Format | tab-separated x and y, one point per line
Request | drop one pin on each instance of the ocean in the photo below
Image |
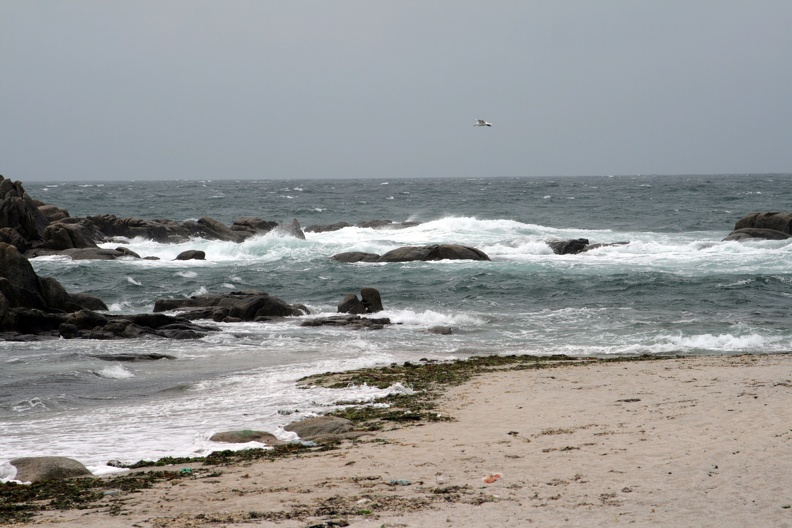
675	288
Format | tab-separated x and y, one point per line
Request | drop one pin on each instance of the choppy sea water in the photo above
674	288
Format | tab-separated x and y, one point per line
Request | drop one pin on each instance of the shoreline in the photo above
647	441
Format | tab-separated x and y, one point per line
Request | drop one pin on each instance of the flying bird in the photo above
481	122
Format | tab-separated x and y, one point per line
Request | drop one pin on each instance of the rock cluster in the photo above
231	307
762	226
38	229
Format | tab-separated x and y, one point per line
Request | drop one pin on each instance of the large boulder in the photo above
208	227
20	213
290	230
568	247
433	252
70	233
247	226
39	469
320	426
191	254
766	220
752	233
355	256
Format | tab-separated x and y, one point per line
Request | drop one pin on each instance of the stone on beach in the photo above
38	469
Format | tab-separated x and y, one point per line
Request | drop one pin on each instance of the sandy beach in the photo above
676	442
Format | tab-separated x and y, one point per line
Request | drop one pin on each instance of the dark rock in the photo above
68	331
370	297
88	302
38	469
325	228
127	252
351	304
351	322
433	252
241	437
157	230
752	233
52	213
61	235
253	226
290	230
12	236
777	221
242	305
86	319
208	227
568	247
191	254
355	256
152	356
20	213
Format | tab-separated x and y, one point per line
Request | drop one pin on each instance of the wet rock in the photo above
248	227
18	212
191	254
290	230
753	233
355	256
442	330
243	305
351	304
568	247
352	322
433	252
314	228
208	227
370	297
38	469
777	221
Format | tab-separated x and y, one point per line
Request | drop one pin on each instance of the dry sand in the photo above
678	442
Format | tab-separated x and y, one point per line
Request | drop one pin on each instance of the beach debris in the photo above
400	482
491	477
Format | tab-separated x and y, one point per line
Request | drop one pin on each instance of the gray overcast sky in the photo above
158	89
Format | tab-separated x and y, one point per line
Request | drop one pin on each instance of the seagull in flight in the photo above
481	122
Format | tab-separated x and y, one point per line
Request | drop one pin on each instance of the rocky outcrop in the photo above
351	322
356	256
762	226
231	307
369	302
20	218
290	230
577	245
39	469
248	227
411	253
766	220
191	254
752	233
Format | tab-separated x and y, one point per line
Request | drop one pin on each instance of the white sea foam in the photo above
114	372
131	280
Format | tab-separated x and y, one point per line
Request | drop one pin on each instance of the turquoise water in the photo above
674	288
